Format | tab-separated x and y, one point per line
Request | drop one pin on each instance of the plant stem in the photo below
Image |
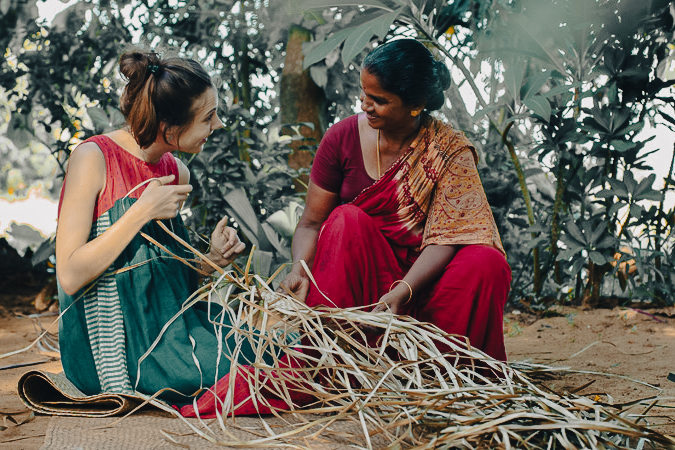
528	204
555	220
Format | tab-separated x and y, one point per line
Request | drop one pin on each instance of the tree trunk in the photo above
591	297
301	101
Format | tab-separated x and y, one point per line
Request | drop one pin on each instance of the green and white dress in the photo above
109	331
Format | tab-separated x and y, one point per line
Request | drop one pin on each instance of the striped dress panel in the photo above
105	325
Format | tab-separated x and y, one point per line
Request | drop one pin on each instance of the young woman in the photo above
117	289
396	213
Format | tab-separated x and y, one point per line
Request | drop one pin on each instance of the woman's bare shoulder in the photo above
87	151
87	161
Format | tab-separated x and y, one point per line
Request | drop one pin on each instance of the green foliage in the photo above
248	190
565	87
599	88
563	90
60	85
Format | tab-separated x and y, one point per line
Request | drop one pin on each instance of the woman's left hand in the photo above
393	300
225	244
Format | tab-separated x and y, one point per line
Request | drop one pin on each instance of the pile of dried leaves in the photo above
403	390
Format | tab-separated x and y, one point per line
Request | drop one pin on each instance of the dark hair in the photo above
160	90
405	67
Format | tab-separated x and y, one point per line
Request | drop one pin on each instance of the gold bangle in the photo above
409	287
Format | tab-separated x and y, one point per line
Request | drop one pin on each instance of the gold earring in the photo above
415	113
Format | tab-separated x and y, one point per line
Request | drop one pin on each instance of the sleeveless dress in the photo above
109	331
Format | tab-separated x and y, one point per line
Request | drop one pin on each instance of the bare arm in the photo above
183	172
79	262
318	206
426	270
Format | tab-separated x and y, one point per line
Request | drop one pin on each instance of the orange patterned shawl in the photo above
432	195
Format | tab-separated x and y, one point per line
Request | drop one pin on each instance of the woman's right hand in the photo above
297	284
318	206
161	200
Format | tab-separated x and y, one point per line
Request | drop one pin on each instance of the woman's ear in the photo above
167	133
417	110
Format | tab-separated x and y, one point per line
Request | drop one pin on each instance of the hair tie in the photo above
153	68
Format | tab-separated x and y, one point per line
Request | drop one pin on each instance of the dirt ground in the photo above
616	356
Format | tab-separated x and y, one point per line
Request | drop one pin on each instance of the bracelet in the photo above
409	287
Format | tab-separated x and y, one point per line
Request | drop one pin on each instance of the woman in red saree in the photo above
396	214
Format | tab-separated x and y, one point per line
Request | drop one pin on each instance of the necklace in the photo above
377	149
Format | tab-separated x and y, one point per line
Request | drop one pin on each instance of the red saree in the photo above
431	196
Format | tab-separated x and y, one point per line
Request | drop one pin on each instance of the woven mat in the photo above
150	430
53	394
87	422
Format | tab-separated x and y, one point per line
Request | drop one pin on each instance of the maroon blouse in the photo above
338	165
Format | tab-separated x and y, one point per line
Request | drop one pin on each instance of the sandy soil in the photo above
619	355
20	428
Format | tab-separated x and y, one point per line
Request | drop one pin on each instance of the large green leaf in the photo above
571	242
605	193
262	262
298	6
622	146
597	258
248	232
382	24
599	231
513	78
600	121
568	253
629	181
652	195
586	228
645	185
533	243
644	190
360	36
606	242
619	187
534	84
576	233
540	106
241	206
356	41
579	264
560	89
616	206
319	52
636	210
619	119
273	238
285	220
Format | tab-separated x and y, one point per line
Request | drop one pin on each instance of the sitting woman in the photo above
396	214
118	291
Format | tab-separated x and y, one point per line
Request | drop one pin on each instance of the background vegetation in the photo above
554	93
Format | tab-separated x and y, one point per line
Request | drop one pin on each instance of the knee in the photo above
345	216
484	263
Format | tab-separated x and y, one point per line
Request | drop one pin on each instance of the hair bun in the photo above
136	66
443	74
